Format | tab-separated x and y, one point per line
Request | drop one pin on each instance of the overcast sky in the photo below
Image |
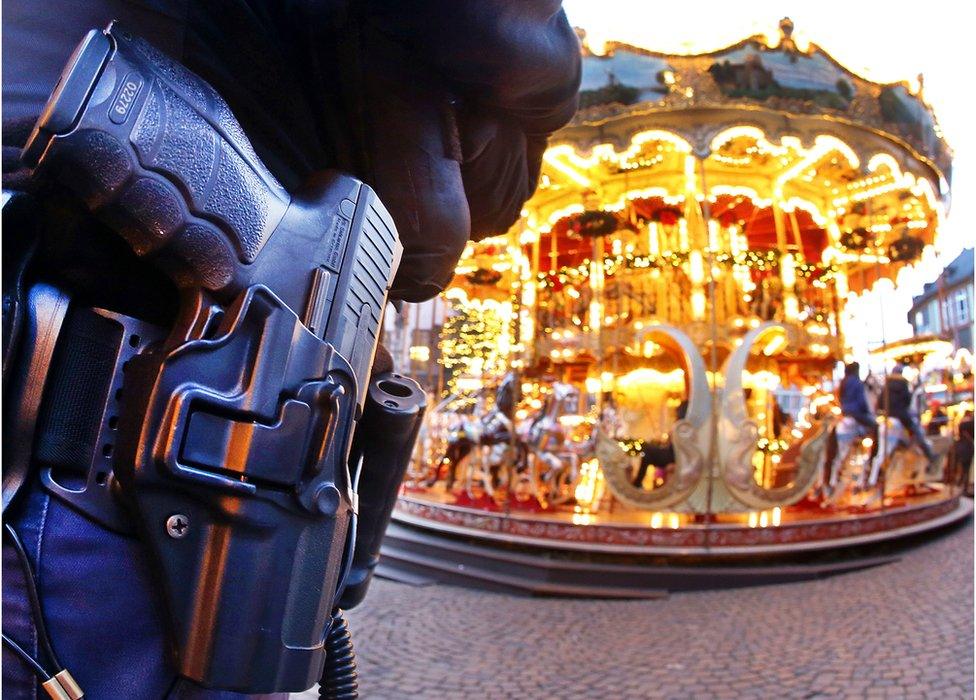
882	41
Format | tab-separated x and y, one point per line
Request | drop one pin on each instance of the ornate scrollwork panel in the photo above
738	435
690	437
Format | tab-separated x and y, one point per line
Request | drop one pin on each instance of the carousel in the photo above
648	362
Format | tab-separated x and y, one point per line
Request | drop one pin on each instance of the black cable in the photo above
35	602
339	676
27	659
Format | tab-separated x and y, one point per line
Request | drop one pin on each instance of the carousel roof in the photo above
785	144
780	89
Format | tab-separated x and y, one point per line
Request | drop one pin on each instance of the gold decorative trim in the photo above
690	437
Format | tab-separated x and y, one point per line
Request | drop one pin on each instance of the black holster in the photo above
226	434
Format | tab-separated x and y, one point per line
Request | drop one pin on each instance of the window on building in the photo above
961	307
919	320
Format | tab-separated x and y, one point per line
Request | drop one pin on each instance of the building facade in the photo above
945	307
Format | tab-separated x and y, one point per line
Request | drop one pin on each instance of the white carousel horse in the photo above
847	432
554	459
898	458
442	425
494	436
854	452
483	443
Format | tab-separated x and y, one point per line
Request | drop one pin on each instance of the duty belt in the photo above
66	400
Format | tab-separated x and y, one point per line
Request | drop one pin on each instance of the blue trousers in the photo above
103	614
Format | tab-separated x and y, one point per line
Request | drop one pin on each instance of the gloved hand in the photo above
505	74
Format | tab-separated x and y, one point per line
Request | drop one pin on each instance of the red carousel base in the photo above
552	554
562	531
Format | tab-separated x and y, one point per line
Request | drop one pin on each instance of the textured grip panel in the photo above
187	132
175	141
159	155
205	98
147	210
183	146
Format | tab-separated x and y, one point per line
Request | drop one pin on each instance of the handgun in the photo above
234	431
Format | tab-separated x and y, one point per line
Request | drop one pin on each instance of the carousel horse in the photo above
458	439
906	466
896	457
659	454
851	454
554	458
492	433
656	455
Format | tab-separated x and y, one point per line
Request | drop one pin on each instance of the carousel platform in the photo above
539	555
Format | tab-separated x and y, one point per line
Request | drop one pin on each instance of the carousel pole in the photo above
517	351
600	314
553	252
840	299
787	269
702	186
553	266
797	237
526	329
779	221
885	398
438	300
597	308
534	280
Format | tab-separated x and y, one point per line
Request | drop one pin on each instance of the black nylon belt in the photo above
26	368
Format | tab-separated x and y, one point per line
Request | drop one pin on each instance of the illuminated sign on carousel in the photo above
654	344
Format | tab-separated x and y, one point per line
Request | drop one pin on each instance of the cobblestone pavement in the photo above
901	630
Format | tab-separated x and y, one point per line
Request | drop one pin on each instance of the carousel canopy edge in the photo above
746	78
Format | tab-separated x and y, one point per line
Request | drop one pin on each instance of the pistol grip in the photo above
157	153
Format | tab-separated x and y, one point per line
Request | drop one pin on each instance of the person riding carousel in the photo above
854	403
896	402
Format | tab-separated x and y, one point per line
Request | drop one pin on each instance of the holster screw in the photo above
327	499
177	526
